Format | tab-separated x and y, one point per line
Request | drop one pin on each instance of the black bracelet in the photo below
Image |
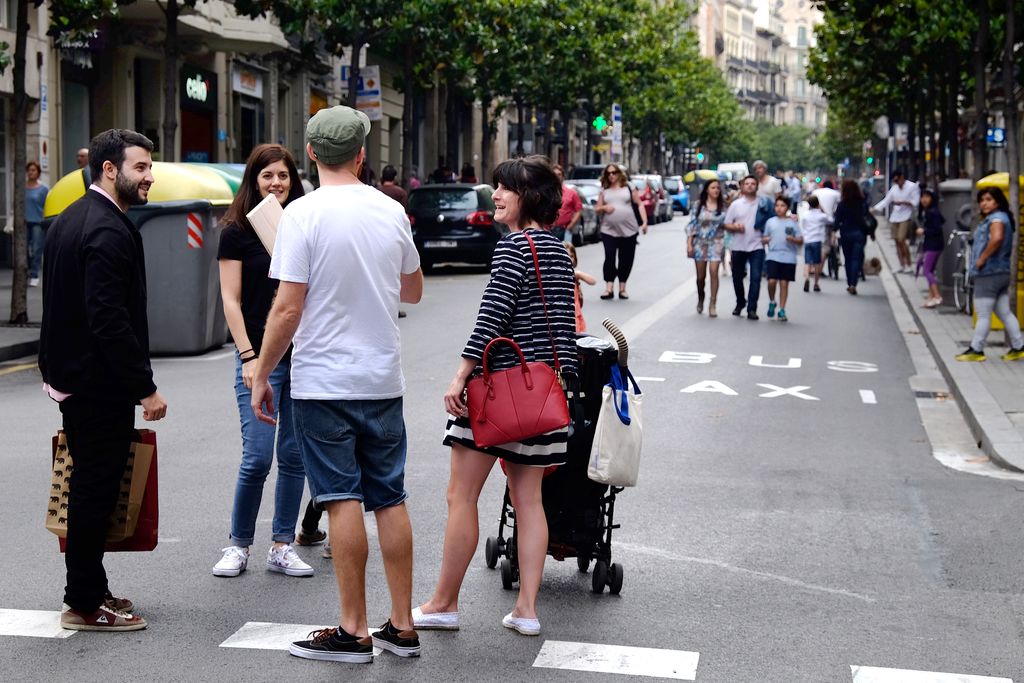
246	351
252	357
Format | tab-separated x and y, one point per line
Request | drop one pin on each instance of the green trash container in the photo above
180	228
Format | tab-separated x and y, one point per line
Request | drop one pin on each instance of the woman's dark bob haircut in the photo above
534	180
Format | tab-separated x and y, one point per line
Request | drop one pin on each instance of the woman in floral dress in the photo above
705	238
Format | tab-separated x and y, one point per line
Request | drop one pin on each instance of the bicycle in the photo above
963	285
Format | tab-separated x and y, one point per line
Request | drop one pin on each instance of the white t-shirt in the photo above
815	221
771	187
743	210
349	244
828	199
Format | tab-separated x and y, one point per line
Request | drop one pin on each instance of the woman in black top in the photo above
932	247
528	198
851	221
248	292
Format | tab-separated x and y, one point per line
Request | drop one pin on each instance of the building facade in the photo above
762	50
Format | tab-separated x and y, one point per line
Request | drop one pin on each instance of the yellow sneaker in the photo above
1014	354
971	355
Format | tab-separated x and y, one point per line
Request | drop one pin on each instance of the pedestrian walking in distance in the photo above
527	198
570	213
902	201
851	222
932	247
94	358
619	227
35	199
247	294
782	238
747	247
705	241
345	259
991	252
816	224
768	186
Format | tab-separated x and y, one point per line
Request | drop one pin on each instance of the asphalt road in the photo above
784	528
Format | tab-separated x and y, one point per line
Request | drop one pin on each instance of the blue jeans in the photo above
740	259
257	456
36	239
353	450
853	254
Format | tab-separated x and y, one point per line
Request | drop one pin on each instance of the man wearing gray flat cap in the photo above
345	258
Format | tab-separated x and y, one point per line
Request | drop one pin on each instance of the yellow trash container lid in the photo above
173	182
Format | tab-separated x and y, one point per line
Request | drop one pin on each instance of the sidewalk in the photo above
990	394
16	342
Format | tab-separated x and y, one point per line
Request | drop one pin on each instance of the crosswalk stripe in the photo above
618	659
32	623
868	396
873	674
263	635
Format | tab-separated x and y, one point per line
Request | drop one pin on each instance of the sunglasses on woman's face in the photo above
612	172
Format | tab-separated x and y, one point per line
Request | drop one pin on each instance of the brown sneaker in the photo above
118	604
311	537
103	619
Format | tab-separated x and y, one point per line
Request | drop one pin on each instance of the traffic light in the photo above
818	180
700	156
600	123
870	160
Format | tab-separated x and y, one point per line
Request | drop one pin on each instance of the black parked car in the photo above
454	223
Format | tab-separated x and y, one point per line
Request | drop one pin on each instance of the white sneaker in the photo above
234	562
285	560
33	282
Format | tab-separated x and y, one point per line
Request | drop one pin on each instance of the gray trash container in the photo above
956	200
184	305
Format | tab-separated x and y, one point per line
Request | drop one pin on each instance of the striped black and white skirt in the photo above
538	451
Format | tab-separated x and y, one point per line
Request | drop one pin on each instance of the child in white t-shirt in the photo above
815	225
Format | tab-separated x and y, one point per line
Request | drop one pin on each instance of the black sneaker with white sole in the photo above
401	643
334	645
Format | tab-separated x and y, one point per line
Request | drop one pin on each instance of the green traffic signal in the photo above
871	160
700	156
600	123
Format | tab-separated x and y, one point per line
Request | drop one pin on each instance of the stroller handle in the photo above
620	339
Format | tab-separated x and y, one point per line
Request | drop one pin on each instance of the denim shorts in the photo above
812	253
353	450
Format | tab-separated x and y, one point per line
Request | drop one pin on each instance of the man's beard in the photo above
127	192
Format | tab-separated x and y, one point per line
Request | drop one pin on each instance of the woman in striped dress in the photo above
528	198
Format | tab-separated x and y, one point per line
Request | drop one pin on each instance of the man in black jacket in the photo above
94	358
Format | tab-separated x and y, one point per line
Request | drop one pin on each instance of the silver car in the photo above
590	222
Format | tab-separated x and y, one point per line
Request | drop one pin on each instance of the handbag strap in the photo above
543	300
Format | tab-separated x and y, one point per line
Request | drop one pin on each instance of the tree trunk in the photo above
354	73
485	138
408	105
520	127
169	145
1012	144
952	120
19	284
453	148
980	111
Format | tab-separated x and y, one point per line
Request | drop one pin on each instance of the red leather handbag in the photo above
520	402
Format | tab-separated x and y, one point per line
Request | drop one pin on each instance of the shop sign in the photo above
198	88
247	82
368	90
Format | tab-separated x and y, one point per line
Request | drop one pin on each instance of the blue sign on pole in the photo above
996	137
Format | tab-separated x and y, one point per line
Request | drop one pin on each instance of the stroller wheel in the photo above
583	562
506	575
615	579
599	579
492	551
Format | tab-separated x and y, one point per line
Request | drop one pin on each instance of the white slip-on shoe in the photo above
528	627
435	621
285	560
234	562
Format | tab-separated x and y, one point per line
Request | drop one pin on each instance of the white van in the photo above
734	170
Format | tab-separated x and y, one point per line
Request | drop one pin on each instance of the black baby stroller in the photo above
580	512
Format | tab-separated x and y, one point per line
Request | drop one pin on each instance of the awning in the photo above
216	25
